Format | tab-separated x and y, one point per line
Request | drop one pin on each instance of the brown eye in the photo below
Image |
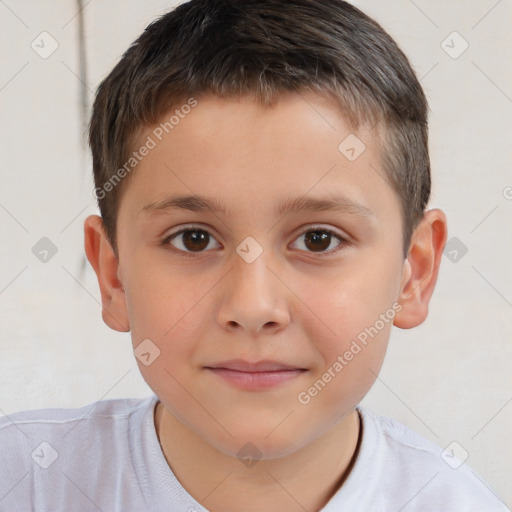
190	240
195	240
319	240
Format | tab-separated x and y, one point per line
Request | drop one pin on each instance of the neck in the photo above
304	480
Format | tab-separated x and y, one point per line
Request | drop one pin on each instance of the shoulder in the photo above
88	447
397	437
417	472
90	425
103	413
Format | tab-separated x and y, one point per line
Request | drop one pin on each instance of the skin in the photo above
295	303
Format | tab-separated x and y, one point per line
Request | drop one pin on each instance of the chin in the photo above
248	442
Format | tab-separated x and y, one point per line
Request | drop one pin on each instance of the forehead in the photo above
234	154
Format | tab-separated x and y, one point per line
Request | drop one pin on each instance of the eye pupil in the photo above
320	240
195	237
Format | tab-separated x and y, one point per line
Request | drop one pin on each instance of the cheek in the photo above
356	309
350	368
345	303
170	309
350	330
161	300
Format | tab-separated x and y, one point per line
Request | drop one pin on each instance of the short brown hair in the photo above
265	48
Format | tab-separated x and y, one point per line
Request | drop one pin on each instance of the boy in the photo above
258	345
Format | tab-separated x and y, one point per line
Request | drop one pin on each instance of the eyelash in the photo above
166	241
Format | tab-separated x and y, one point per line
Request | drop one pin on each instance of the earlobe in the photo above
106	265
421	269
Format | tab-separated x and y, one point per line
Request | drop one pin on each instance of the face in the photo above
258	309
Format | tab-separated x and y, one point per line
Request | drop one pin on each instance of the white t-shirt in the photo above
106	456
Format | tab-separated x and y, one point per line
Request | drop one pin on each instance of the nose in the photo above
252	298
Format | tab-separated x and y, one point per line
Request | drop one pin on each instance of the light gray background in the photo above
450	379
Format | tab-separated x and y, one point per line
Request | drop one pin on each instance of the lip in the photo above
255	376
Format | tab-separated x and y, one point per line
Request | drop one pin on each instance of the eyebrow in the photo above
198	203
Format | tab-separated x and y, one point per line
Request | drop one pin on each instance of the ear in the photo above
421	269
105	263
